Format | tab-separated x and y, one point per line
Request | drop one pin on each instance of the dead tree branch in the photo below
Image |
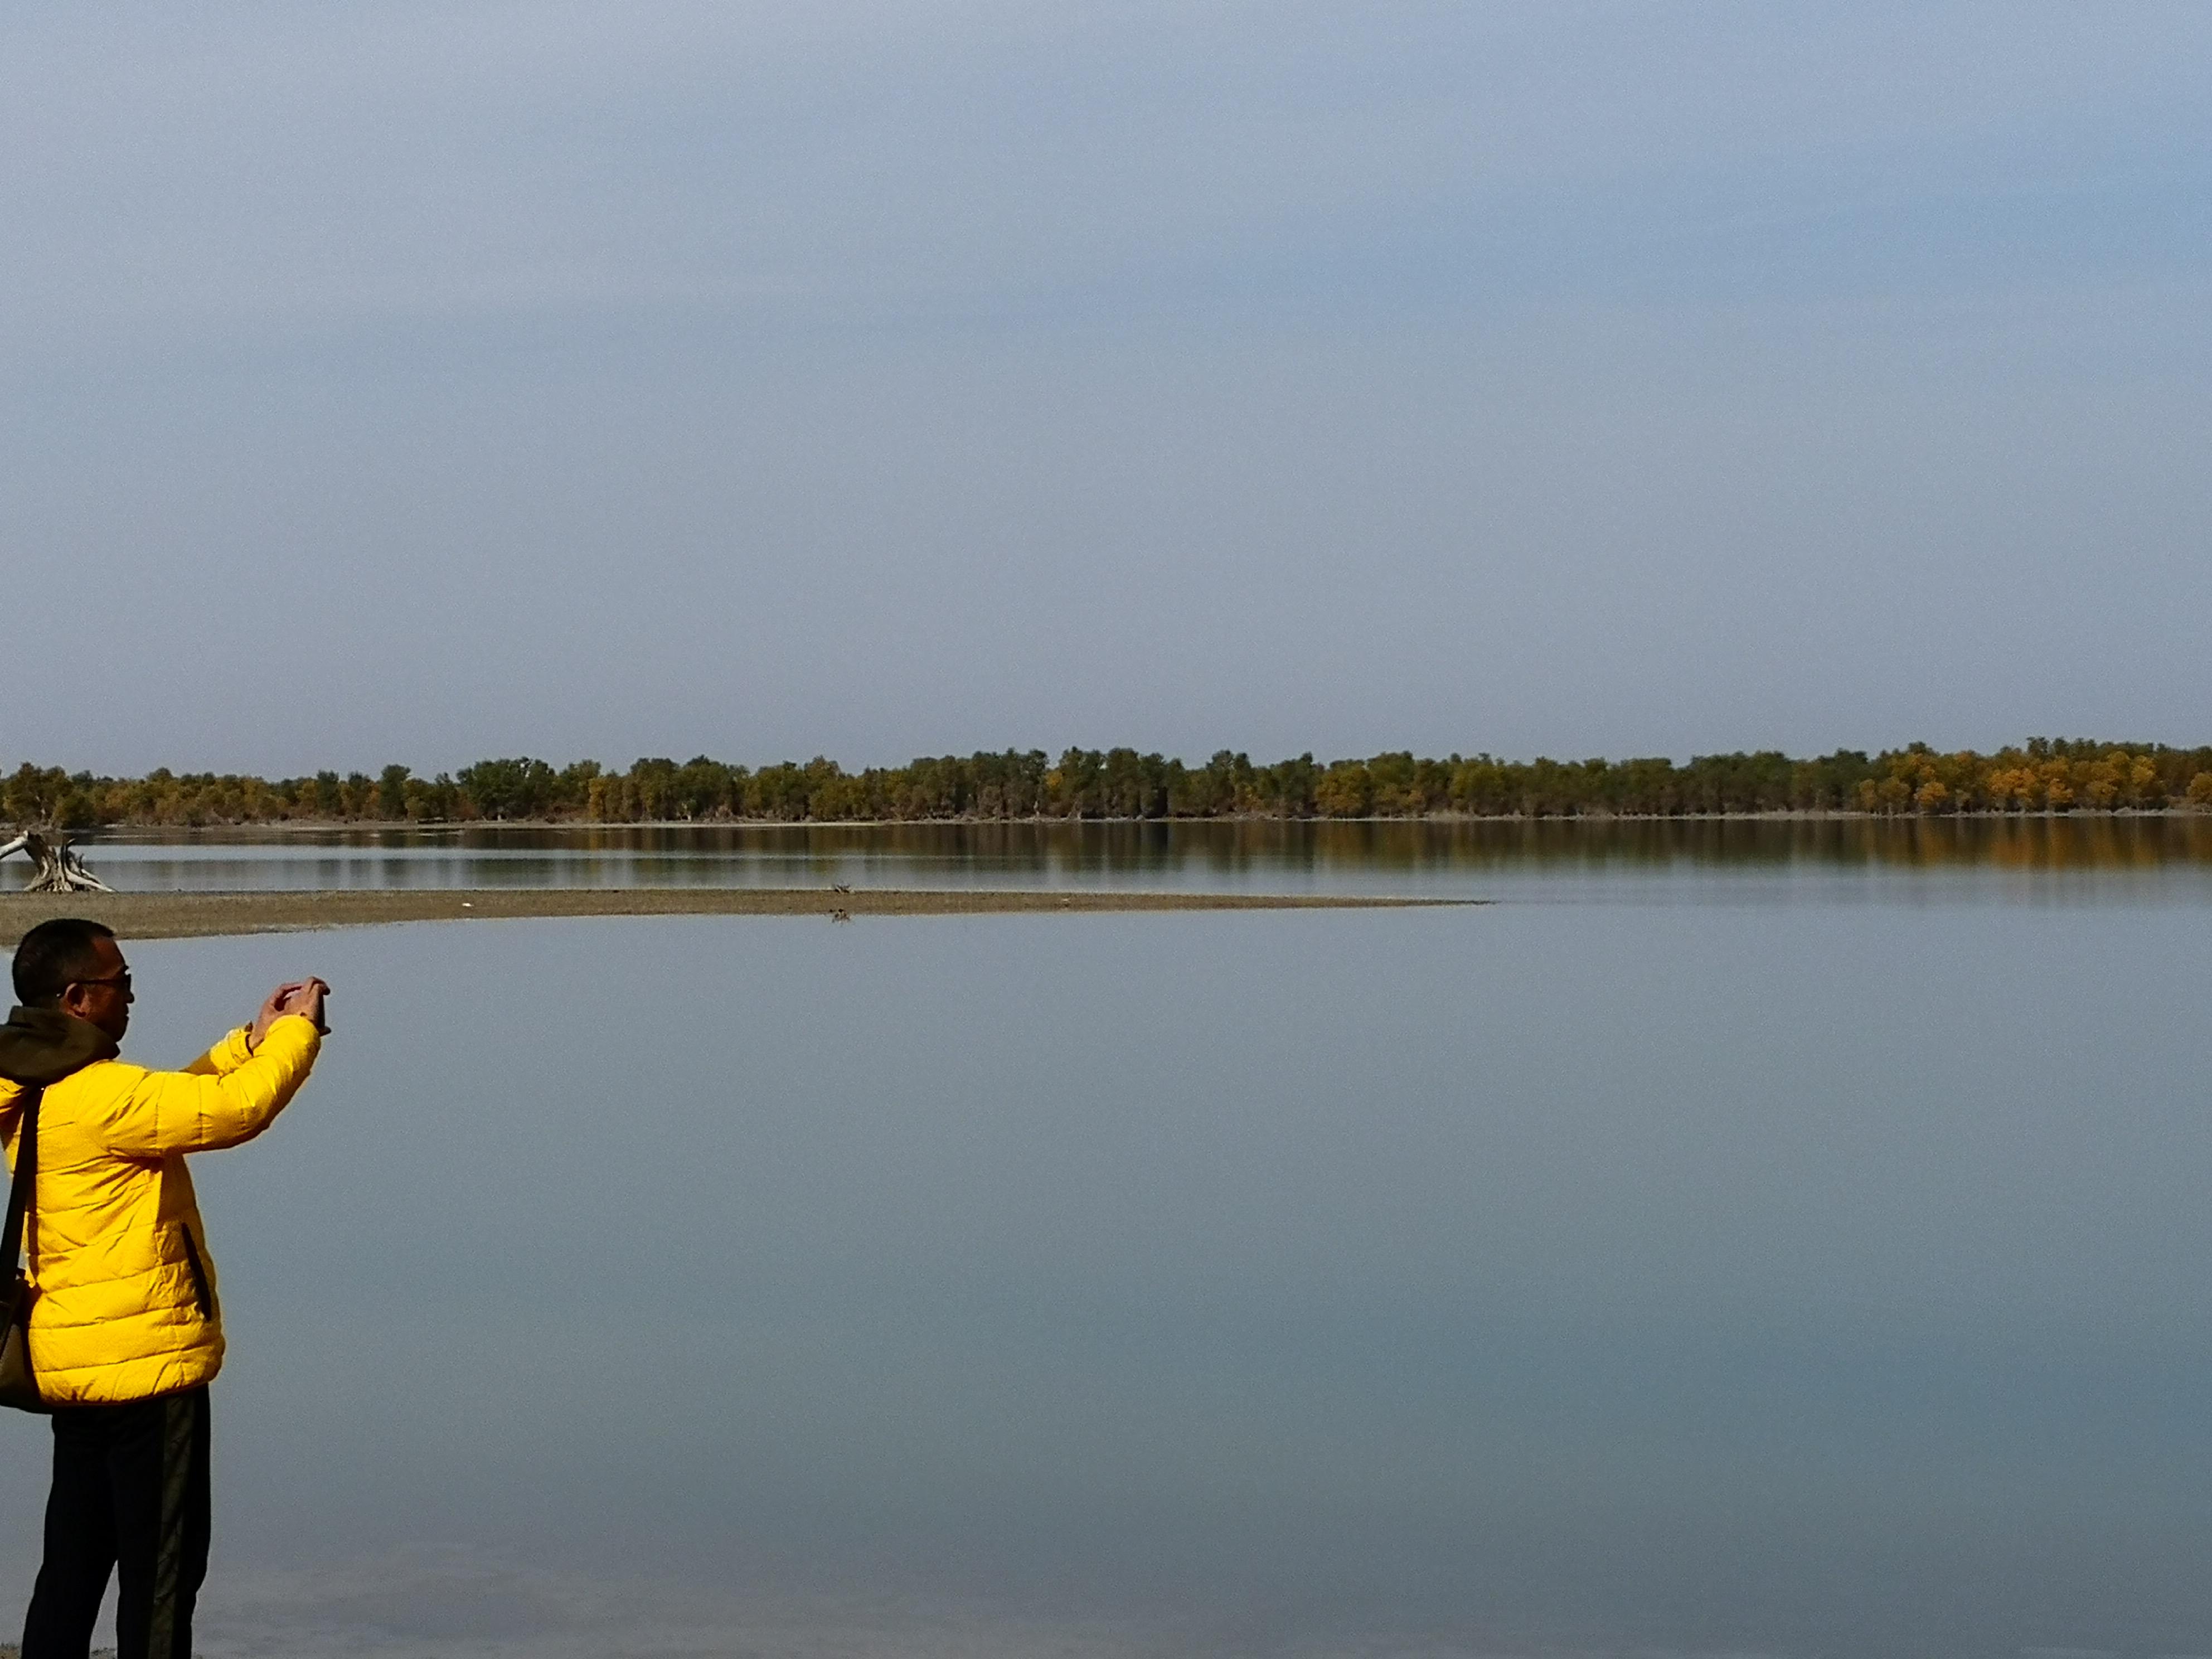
59	869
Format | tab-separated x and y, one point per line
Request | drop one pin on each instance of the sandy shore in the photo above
189	916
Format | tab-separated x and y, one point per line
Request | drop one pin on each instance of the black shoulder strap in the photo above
26	1177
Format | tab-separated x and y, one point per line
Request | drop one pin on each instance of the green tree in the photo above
392	793
517	788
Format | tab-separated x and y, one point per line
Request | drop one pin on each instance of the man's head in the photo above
74	966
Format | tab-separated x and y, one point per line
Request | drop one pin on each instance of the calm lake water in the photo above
1796	1250
2004	859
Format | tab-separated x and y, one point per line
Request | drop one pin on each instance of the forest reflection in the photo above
1185	853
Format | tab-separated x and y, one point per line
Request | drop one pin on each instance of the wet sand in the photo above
193	915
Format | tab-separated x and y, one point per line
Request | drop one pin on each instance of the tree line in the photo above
2045	774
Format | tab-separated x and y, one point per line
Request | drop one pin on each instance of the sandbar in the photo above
199	916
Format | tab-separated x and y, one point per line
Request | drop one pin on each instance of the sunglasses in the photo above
120	980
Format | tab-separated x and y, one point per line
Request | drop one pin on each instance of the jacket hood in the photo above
38	1046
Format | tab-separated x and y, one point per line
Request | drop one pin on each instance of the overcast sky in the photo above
424	382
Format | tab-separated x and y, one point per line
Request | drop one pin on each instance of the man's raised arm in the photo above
225	1097
234	1048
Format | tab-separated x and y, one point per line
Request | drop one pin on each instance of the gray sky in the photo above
424	382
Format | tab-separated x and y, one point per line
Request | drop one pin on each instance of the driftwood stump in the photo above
60	870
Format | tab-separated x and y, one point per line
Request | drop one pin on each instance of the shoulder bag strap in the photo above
19	1195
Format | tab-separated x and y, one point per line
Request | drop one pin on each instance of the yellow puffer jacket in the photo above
127	1304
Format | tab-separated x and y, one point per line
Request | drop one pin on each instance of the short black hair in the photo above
54	956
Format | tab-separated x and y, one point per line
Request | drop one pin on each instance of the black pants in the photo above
129	1494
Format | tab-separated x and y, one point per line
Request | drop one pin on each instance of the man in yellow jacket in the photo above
126	1332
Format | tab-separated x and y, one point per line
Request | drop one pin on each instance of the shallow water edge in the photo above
203	915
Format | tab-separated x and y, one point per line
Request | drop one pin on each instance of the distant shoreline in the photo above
2057	775
246	829
206	915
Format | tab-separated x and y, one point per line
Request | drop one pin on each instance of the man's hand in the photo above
299	996
307	998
